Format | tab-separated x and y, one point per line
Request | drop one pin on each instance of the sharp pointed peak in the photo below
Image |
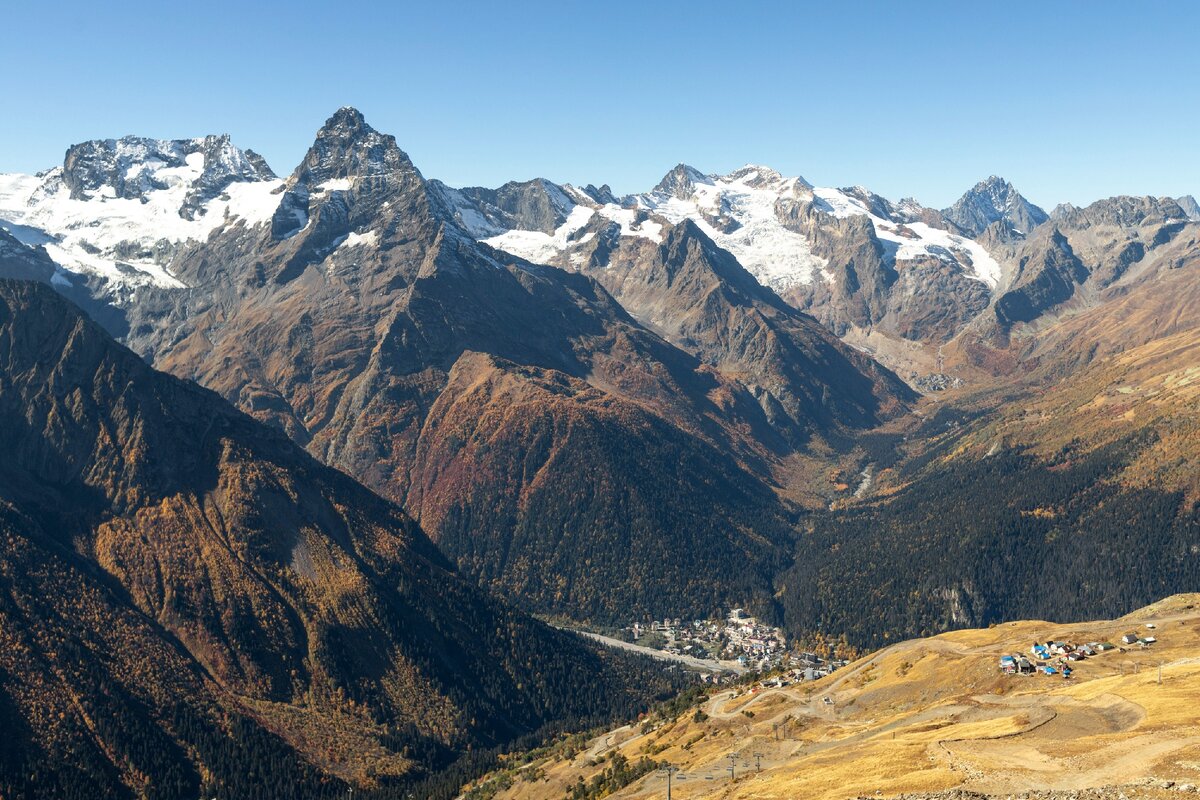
347	146
681	180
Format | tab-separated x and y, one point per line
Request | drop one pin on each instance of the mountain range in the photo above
729	390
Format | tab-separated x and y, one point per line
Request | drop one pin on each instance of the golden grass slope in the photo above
1152	390
935	714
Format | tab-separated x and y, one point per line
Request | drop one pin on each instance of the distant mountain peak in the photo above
346	146
1190	207
992	199
681	181
347	154
758	176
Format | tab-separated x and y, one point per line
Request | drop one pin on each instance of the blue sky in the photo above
1070	101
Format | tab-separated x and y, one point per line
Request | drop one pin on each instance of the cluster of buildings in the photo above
1056	658
739	637
805	667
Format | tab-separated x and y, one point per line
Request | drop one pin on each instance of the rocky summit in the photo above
994	200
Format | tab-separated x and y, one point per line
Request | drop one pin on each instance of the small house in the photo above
1050	670
1129	638
1105	646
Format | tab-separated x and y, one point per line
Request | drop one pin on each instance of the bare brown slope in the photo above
144	516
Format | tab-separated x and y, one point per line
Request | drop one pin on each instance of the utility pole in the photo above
758	762
733	766
669	770
1160	673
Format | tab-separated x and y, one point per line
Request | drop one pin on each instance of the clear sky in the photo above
1070	101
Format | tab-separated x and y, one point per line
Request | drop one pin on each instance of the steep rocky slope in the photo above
191	603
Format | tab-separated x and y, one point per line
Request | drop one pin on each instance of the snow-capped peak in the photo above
681	181
132	167
118	207
756	176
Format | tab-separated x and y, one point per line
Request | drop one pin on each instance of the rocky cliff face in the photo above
188	597
1083	261
536	205
22	262
1189	206
1110	242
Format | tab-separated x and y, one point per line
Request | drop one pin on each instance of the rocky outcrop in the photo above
1045	278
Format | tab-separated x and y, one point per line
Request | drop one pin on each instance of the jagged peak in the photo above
1123	210
590	193
347	116
681	181
1190	207
994	181
346	146
991	199
131	167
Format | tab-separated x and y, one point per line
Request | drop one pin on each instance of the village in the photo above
1058	658
739	638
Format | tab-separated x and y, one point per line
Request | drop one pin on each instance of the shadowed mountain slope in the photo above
191	601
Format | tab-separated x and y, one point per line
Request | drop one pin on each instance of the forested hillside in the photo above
190	604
